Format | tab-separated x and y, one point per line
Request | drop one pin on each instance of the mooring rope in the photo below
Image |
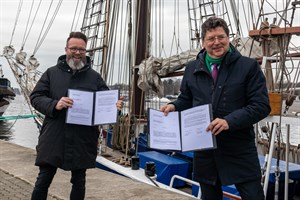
16	117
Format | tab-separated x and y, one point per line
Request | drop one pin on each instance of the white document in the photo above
194	122
164	130
82	110
93	108
182	131
106	111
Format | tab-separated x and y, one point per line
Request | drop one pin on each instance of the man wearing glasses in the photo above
236	88
70	147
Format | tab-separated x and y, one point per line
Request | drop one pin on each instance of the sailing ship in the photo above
136	51
7	93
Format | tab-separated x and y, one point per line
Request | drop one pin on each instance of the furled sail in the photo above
151	69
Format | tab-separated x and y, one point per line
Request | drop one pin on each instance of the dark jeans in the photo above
45	177
252	190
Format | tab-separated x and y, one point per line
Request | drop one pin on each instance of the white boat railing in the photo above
225	194
294	121
186	180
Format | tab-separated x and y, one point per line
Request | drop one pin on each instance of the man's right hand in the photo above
64	102
167	108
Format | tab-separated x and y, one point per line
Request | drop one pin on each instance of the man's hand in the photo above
167	108
217	126
120	103
64	102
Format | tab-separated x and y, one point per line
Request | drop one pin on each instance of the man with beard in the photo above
70	147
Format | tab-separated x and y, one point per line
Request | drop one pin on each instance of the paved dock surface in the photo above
18	175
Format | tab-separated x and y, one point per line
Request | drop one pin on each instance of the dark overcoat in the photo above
66	146
240	97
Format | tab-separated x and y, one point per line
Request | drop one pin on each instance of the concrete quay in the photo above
18	174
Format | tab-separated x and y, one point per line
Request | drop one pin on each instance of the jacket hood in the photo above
62	63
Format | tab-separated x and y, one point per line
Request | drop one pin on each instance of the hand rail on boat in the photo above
225	194
186	180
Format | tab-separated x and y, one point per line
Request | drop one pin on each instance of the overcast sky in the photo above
54	43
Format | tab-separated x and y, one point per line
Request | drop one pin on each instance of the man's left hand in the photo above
217	126
120	103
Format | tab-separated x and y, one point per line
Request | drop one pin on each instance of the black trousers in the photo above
45	177
251	190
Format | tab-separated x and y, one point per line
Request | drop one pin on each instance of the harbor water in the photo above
24	132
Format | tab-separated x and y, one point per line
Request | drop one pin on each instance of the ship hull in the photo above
7	94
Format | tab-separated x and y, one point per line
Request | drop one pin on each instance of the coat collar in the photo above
228	59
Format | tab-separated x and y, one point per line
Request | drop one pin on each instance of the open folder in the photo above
93	108
181	131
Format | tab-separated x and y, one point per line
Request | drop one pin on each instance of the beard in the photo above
75	65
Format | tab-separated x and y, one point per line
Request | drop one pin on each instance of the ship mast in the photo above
142	52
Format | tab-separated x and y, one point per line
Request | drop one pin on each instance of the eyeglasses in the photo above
74	50
221	38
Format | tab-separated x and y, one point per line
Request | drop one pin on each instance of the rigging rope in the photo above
75	14
113	41
25	38
252	14
246	20
81	9
32	22
35	48
174	38
27	25
17	18
162	32
110	38
124	74
282	17
40	40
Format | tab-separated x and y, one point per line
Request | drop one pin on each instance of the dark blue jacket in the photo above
62	145
241	98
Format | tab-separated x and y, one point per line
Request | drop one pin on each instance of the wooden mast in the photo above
105	42
142	52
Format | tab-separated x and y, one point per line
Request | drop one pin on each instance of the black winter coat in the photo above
66	146
240	97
